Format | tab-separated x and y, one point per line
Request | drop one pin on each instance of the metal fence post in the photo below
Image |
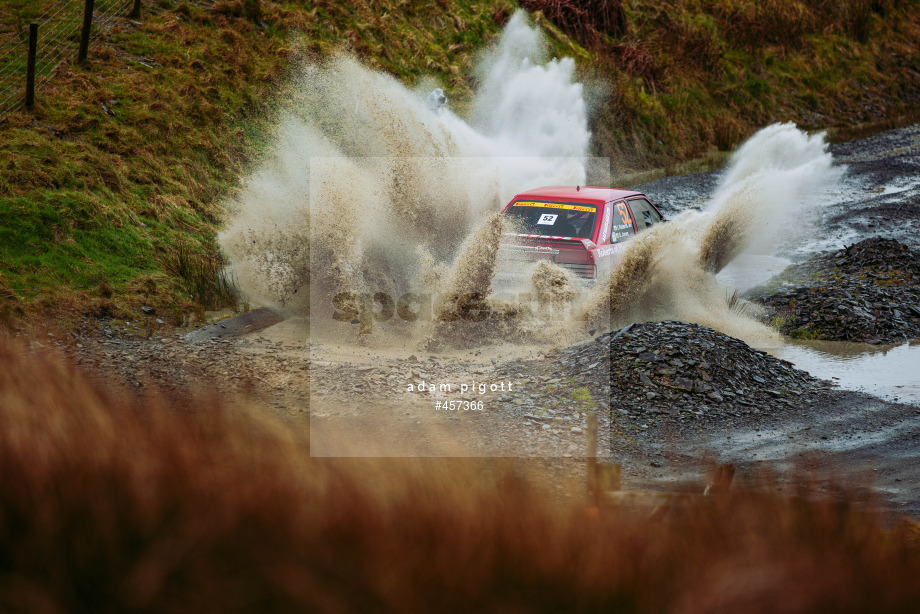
84	34
30	66
136	11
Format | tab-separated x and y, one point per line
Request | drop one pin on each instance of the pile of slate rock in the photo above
693	371
867	292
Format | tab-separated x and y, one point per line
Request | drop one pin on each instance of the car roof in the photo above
583	193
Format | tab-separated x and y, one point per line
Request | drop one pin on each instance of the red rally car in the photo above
580	228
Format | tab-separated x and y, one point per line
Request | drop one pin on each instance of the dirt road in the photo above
389	397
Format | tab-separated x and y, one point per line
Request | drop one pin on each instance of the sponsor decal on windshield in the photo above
533	203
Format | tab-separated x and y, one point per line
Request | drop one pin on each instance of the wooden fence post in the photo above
593	489
84	34
136	11
30	66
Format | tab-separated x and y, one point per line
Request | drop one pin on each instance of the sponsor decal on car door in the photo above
605	229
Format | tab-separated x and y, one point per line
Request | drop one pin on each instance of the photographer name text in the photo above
472	387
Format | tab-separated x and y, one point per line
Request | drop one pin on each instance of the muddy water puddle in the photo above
750	270
891	372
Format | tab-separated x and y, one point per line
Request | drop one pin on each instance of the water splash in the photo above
369	187
668	271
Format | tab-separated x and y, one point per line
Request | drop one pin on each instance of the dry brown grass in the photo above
585	20
686	75
10	308
203	276
112	503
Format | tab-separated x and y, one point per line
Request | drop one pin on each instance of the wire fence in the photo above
59	29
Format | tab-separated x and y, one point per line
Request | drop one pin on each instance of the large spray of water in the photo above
368	188
669	272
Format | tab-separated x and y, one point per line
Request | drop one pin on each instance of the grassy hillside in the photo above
688	75
125	205
106	211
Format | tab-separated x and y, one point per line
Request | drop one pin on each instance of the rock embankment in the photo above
688	372
673	367
867	292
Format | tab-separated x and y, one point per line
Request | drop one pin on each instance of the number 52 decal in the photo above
624	213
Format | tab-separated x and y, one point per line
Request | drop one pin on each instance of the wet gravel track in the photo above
852	436
848	435
867	292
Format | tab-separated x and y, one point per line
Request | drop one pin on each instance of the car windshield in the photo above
554	219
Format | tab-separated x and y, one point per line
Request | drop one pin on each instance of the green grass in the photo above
806	333
777	323
87	197
53	242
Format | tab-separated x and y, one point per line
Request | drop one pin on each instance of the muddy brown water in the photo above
750	270
891	372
